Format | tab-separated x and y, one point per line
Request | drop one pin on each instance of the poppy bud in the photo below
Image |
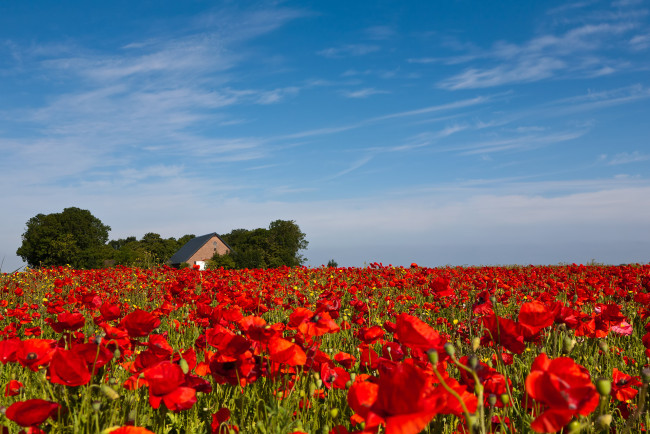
492	399
433	356
334	412
603	422
117	353
312	388
493	299
476	342
109	392
574	427
184	366
348	384
505	399
568	344
319	383
97	405
603	386
472	362
449	349
602	344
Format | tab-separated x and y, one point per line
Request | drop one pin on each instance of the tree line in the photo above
76	238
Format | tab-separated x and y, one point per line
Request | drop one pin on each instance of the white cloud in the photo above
625	158
573	53
348	50
363	93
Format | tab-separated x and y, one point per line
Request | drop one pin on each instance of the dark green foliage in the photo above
332	263
73	237
151	250
277	246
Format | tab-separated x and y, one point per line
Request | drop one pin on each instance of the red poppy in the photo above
95	356
8	349
404	399
623	385
139	323
13	388
505	332
67	321
68	368
334	377
370	335
415	333
257	329
344	359
166	383
219	419
34	353
129	430
534	316
312	324
566	389
441	287
32	412
283	351
110	311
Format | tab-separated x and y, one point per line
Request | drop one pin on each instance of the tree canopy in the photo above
274	247
73	237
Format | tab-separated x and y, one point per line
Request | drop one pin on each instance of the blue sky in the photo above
456	132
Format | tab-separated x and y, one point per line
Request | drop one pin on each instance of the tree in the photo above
288	240
73	237
274	247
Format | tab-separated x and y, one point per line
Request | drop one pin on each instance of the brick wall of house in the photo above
206	252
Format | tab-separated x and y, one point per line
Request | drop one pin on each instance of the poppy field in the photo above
379	349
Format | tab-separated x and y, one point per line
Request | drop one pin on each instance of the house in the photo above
199	250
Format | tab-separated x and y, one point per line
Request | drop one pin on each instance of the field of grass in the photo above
326	350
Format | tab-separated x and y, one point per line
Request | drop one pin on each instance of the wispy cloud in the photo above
402	114
624	158
363	93
576	52
379	33
348	50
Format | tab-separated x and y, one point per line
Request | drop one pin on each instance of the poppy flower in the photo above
623	385
32	412
33	353
139	323
415	333
566	389
8	349
166	384
344	359
95	356
67	321
68	368
404	400
13	388
334	376
505	332
534	316
219	420
283	351
110	311
441	287
128	430
312	324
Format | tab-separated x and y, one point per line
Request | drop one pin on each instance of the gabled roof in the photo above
191	247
